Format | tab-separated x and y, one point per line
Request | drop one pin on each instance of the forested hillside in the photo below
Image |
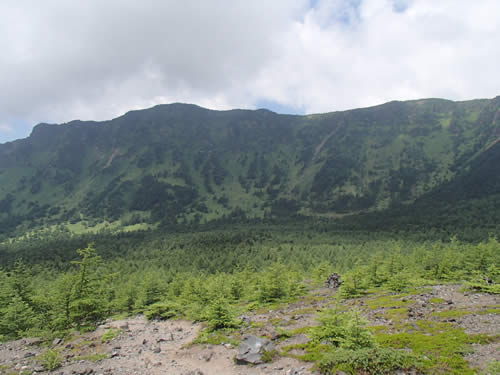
181	164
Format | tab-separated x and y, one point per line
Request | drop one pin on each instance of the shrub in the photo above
219	316
51	359
369	360
353	285
399	282
342	330
493	368
162	310
274	284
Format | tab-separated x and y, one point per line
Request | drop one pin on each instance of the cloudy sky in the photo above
96	59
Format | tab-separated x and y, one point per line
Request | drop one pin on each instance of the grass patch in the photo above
285	334
388	301
219	337
110	334
436	300
493	310
371	361
451	313
397	314
442	343
268	356
493	368
312	352
257	324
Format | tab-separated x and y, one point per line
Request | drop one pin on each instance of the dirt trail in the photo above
141	347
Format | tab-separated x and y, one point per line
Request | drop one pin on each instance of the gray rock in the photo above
334	281
56	341
87	371
251	350
33	341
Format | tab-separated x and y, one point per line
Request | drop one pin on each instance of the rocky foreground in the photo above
138	346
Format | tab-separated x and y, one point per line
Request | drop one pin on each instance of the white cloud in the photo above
443	48
97	59
4	128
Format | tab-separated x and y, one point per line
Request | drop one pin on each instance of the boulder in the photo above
251	350
333	281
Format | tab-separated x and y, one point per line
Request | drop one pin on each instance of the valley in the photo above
164	240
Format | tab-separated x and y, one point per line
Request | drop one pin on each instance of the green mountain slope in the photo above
181	163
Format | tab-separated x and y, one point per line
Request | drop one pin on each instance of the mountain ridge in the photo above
181	163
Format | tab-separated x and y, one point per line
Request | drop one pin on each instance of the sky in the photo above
95	60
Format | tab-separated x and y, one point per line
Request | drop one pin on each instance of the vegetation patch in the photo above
442	343
51	359
436	300
397	315
493	310
110	334
225	336
162	311
484	287
388	301
370	360
451	313
268	356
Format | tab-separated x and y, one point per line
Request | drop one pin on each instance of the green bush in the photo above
369	360
219	316
493	368
51	359
399	282
354	284
345	330
274	284
162	310
483	287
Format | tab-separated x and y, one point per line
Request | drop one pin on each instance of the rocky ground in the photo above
138	346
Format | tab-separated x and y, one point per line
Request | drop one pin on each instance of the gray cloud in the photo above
97	59
94	58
